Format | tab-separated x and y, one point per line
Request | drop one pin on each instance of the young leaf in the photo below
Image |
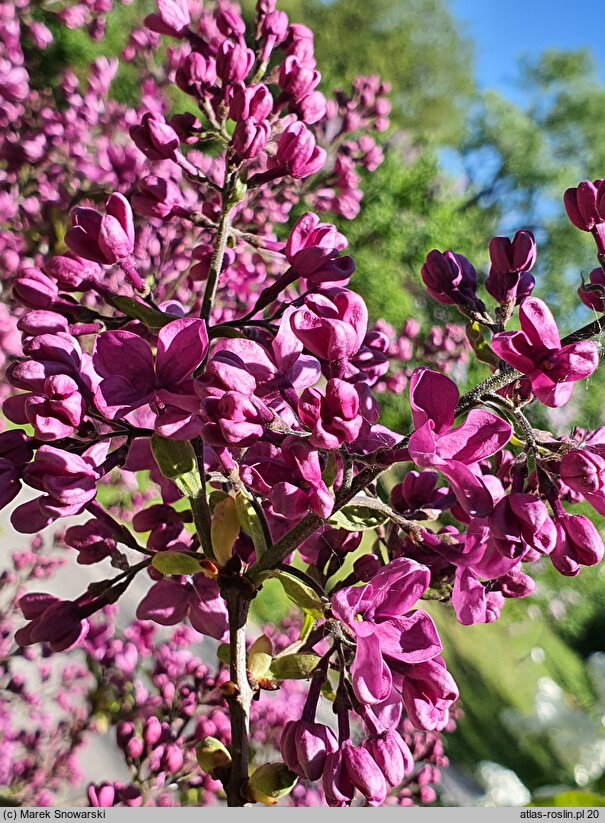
175	563
270	782
357	518
294	666
224	529
300	593
151	318
176	460
250	523
260	656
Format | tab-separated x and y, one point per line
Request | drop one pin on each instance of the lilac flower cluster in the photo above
176	335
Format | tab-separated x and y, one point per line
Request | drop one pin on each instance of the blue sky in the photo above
504	31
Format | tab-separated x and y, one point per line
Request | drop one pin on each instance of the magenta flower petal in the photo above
433	396
371	676
165	603
481	435
411	639
468	598
182	345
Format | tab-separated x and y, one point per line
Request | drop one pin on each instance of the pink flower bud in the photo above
509	281
196	74
250	138
583	471
102	796
251	101
450	278
578	544
173	18
313	107
581	207
296	80
155	138
391	755
594	298
233	62
152	731
298	153
35	290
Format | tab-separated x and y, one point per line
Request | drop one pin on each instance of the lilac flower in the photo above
509	281
378	615
53	621
519	523
336	417
332	325
172	600
297	152
582	207
304	746
593	294
131	377
435	444
450	279
349	768
536	351
103	239
313	250
290	477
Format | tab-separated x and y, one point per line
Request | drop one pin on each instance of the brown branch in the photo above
238	691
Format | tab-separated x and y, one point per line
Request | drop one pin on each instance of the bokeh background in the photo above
497	108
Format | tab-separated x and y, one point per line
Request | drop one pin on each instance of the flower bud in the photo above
102	796
583	212
297	80
152	731
233	62
578	544
270	782
304	746
313	107
298	153
583	471
251	102
365	774
155	138
250	138
450	278
35	290
509	281
593	295
196	74
391	755
172	18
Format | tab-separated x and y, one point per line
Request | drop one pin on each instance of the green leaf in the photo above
294	666
482	349
224	653
224	529
307	626
175	563
211	754
250	523
571	798
357	518
328	692
176	460
300	593
328	475
260	656
152	318
270	782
